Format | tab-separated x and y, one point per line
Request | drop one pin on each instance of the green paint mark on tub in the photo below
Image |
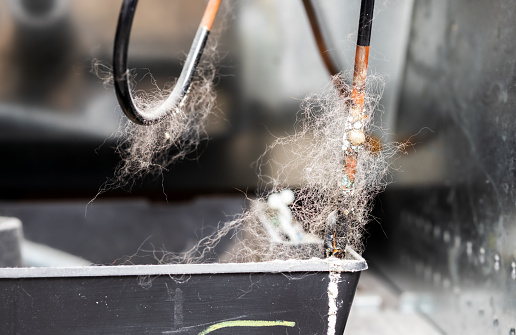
247	323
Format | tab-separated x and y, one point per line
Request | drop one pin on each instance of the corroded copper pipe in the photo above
354	137
365	24
359	80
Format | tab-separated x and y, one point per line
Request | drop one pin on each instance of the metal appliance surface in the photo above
452	207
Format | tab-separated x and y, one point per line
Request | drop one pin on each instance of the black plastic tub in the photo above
279	297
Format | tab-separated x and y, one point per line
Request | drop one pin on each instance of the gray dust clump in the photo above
150	150
315	155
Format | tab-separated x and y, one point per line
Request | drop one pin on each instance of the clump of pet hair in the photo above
315	154
151	149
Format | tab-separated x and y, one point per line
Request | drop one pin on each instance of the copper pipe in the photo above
209	14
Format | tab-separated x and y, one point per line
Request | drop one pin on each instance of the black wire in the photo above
365	23
123	33
121	77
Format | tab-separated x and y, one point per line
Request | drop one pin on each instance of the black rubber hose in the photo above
121	74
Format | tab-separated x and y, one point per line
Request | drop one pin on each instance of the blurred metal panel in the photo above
453	206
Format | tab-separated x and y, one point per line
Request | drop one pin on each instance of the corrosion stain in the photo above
359	79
